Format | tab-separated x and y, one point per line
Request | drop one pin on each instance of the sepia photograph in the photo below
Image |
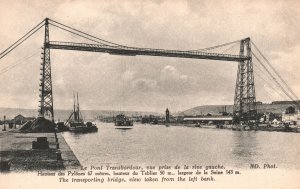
152	94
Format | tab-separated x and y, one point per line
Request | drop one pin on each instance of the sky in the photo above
146	83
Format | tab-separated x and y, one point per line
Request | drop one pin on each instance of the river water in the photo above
160	145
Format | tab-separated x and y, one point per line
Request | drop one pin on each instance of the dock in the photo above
16	149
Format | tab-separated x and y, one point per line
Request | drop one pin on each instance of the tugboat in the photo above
91	127
75	123
122	122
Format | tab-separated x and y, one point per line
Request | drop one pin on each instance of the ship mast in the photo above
78	108
74	110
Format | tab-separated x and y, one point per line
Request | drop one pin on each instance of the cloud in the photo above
107	81
144	85
171	81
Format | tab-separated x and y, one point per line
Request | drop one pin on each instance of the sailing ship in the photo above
75	122
123	122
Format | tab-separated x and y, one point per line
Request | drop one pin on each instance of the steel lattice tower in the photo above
46	101
244	109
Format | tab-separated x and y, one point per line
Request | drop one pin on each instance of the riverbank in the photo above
16	149
295	129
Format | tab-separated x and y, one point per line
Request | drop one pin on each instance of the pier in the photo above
16	150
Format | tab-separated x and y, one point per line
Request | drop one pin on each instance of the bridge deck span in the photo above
133	51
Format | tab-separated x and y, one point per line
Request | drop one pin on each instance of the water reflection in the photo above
157	144
245	148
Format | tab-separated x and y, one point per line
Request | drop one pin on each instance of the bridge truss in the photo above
244	99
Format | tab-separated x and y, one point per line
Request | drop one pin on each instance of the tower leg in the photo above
46	97
244	109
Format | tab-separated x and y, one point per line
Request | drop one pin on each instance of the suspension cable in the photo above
22	39
218	46
85	33
270	74
285	92
21	61
268	62
229	48
267	81
76	34
71	30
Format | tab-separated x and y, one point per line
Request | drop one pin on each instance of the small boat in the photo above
75	123
122	122
77	126
91	127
